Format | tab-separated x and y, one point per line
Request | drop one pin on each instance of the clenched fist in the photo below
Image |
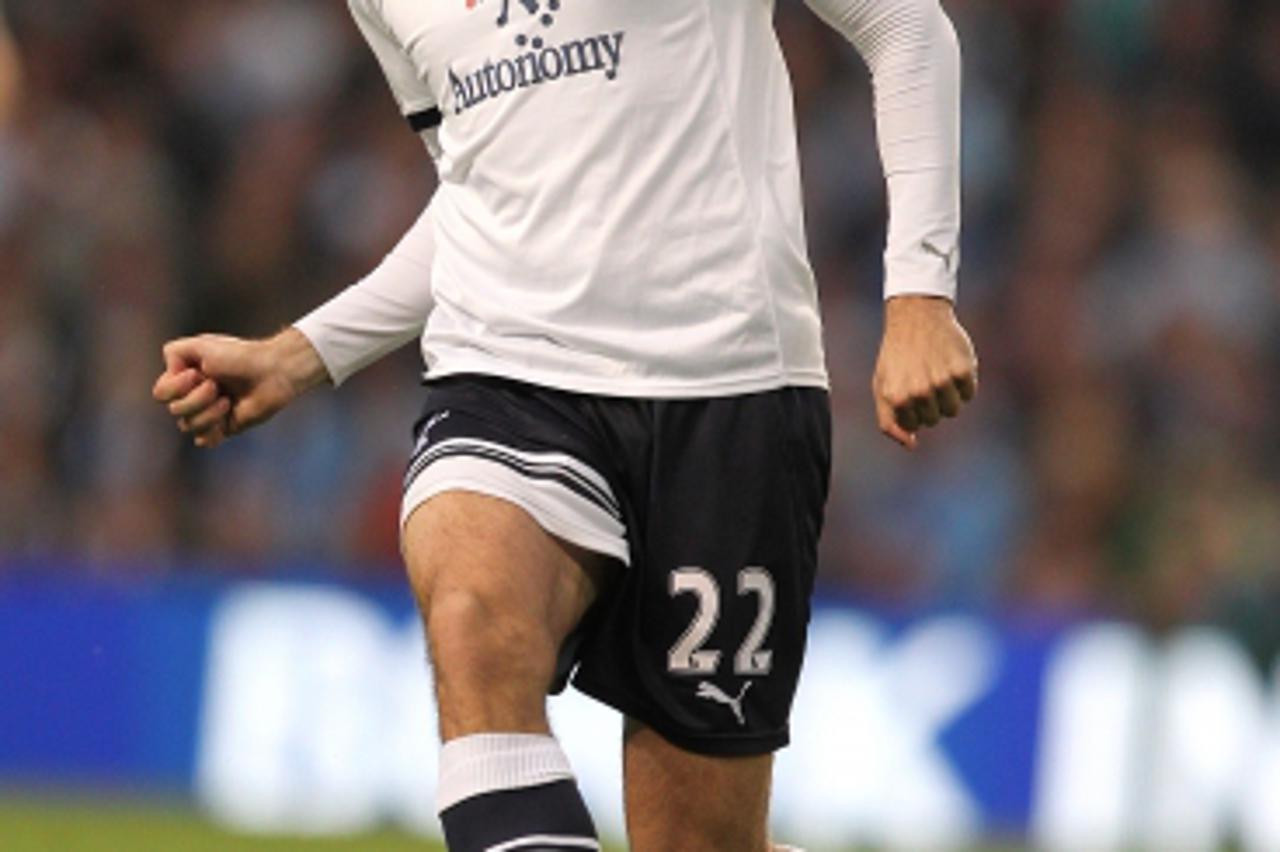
218	386
927	369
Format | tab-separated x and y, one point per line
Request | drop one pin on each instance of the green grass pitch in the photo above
29	824
36	825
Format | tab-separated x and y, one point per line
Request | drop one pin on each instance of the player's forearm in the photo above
914	57
293	357
368	320
378	314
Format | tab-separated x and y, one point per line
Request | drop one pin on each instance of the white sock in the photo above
511	792
485	763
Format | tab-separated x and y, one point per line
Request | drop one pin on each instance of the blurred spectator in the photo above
9	73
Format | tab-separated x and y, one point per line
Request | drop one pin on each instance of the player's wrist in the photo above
294	358
913	306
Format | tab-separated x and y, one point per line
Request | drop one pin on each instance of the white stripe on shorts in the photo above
545	841
576	474
558	508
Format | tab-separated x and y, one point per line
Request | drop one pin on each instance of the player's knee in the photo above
471	631
459	620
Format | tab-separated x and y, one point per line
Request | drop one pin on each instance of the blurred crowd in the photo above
224	165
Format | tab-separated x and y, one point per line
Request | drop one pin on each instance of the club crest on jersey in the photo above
533	7
538	61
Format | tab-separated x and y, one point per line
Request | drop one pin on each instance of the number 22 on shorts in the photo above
688	656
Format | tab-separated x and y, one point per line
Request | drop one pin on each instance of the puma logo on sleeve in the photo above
948	257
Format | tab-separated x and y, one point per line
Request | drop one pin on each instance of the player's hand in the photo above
927	369
217	386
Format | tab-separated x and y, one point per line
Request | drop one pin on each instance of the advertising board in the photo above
305	708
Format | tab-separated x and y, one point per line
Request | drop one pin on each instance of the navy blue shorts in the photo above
714	504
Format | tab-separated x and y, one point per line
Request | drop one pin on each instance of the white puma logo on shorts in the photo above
425	437
711	692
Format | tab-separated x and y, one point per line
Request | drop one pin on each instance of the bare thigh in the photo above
498	597
691	802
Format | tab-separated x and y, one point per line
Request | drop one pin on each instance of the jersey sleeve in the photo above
381	312
417	103
914	57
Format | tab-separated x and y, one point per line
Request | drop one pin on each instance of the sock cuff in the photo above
486	763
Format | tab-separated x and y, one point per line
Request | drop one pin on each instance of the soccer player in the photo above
623	457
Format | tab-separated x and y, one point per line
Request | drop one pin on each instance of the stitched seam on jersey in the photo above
727	118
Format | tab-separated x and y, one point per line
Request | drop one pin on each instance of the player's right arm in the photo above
217	386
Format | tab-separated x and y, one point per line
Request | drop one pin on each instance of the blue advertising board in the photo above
306	707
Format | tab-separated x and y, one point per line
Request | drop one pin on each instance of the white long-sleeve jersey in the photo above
619	208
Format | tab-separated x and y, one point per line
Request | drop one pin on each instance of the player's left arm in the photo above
927	368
